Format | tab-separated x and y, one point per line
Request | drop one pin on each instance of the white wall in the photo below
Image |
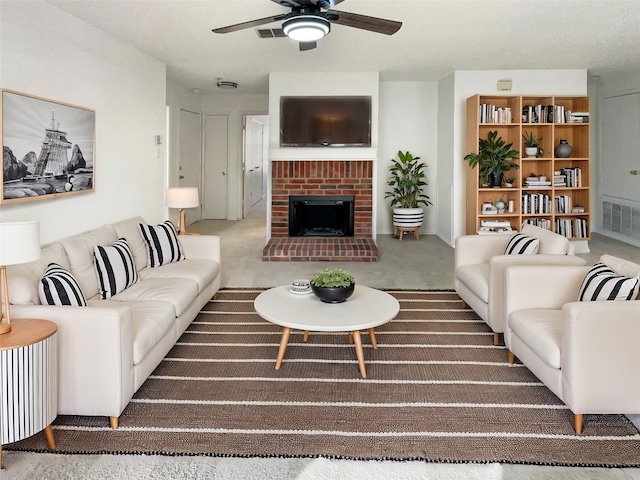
49	53
468	83
235	106
408	121
446	141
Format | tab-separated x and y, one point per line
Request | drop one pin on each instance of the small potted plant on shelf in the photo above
333	285
494	157
509	181
407	198
531	144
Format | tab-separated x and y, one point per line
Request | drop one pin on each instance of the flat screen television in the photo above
325	121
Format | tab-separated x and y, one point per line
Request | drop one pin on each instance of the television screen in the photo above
325	121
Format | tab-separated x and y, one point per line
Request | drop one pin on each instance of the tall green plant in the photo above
407	180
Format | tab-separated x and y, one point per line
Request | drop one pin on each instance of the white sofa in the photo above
586	352
480	264
107	349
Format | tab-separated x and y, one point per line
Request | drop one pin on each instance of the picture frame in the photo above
48	148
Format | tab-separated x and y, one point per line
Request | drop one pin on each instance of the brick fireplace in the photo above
321	177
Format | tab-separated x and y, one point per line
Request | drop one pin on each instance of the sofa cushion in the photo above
550	243
476	278
25	277
541	331
150	322
115	268
521	244
601	283
59	287
202	271
79	250
180	292
129	229
162	244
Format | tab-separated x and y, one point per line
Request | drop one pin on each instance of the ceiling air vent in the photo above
270	33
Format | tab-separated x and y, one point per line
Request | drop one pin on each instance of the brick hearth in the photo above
321	177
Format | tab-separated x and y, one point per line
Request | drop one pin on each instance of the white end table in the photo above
28	381
366	309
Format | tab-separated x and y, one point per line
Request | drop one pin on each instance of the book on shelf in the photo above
562	203
536	203
572	227
573	176
492	114
538	222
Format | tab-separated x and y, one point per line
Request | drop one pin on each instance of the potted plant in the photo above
332	285
494	157
531	144
509	181
407	180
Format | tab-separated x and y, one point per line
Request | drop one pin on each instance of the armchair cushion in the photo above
521	244
541	331
601	283
476	278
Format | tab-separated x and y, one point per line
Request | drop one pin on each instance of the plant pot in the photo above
408	217
333	294
496	179
531	152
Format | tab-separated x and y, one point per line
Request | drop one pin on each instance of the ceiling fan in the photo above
307	22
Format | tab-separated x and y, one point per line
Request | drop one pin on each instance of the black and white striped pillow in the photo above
521	244
601	283
59	287
115	268
162	244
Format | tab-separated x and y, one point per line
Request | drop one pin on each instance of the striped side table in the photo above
28	381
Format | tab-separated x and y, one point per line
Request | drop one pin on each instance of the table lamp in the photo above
19	243
186	197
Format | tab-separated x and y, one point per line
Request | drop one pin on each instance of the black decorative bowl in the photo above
333	294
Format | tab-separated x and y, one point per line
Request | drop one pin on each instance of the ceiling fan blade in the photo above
252	23
304	46
287	3
364	22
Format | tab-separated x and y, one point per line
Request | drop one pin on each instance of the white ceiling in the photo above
437	37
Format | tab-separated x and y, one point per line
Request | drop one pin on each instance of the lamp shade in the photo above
306	28
19	242
186	197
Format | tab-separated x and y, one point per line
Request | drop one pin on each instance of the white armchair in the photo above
480	264
587	353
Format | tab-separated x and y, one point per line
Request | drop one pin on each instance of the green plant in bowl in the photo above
336	277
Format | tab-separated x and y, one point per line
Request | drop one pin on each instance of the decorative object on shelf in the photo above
494	157
509	181
489	209
333	285
407	180
563	149
500	205
182	198
19	243
577	209
531	144
300	286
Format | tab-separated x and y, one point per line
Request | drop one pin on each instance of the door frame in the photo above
265	160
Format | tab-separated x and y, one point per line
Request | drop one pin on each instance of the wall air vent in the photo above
270	33
621	219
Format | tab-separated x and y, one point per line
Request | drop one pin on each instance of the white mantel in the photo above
323	153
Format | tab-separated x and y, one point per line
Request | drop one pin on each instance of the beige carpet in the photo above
438	390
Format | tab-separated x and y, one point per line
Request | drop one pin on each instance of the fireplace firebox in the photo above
321	215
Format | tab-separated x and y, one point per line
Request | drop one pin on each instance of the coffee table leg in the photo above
372	337
283	346
359	353
305	337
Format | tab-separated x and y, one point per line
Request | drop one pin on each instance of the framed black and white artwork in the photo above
48	148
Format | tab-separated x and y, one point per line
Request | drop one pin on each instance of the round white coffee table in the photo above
366	309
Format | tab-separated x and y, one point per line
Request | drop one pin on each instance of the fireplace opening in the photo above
321	215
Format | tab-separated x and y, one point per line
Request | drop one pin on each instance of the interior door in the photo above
190	157
216	158
254	171
620	163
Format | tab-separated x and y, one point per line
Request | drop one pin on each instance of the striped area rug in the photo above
438	390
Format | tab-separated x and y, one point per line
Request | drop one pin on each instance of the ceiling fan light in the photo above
308	28
227	85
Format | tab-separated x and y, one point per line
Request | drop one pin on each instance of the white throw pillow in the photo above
521	244
59	287
601	283
162	244
115	268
